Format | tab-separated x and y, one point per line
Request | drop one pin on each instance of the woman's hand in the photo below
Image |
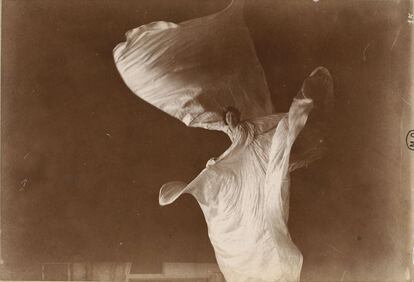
211	162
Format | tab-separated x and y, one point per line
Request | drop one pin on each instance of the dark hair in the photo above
230	109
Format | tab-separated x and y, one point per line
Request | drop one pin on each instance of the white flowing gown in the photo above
192	71
244	196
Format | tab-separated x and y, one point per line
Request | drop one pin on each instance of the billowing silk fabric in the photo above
245	196
192	71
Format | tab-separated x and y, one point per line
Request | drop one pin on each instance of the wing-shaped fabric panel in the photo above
195	69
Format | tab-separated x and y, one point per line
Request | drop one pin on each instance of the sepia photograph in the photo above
207	140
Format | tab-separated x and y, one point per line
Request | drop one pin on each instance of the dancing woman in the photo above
205	72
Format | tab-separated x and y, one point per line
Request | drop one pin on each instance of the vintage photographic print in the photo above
206	140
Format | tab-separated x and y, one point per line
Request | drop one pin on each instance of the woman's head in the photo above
231	116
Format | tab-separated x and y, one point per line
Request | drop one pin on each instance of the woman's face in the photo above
232	118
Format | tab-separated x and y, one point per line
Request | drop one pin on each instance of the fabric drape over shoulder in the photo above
194	69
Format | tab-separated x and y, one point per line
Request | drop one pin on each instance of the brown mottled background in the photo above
83	158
